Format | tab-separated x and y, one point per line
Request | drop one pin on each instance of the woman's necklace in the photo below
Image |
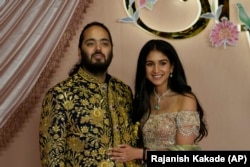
157	105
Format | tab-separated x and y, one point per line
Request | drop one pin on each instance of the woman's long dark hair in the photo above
177	83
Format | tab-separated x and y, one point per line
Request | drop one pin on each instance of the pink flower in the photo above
142	3
147	3
224	32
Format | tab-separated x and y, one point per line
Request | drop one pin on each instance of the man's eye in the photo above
106	43
90	43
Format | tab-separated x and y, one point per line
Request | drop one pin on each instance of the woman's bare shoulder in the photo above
187	102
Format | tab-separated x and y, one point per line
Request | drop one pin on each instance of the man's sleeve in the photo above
52	131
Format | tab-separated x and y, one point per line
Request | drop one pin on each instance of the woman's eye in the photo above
163	63
149	64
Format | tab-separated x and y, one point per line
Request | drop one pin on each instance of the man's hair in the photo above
95	23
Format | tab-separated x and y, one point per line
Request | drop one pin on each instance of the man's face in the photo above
96	50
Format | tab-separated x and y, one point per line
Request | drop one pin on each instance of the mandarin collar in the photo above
91	78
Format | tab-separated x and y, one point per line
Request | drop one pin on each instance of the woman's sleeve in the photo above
188	122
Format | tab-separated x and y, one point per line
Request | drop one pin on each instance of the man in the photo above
88	113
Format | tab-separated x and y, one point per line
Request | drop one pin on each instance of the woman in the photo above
169	113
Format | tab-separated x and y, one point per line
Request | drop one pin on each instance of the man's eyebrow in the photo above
105	39
90	39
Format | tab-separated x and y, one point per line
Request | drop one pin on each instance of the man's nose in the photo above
98	46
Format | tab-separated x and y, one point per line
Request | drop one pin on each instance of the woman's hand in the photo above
125	153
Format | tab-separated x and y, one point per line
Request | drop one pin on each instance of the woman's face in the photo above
158	68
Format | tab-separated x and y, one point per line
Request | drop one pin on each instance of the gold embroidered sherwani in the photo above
82	118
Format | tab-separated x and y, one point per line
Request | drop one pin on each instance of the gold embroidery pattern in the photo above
79	117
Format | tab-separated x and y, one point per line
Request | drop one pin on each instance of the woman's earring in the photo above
171	75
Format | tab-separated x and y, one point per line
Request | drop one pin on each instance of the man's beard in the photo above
95	67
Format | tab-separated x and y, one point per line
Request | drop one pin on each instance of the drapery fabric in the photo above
33	37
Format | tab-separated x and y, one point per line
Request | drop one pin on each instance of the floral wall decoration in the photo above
134	9
224	32
134	14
